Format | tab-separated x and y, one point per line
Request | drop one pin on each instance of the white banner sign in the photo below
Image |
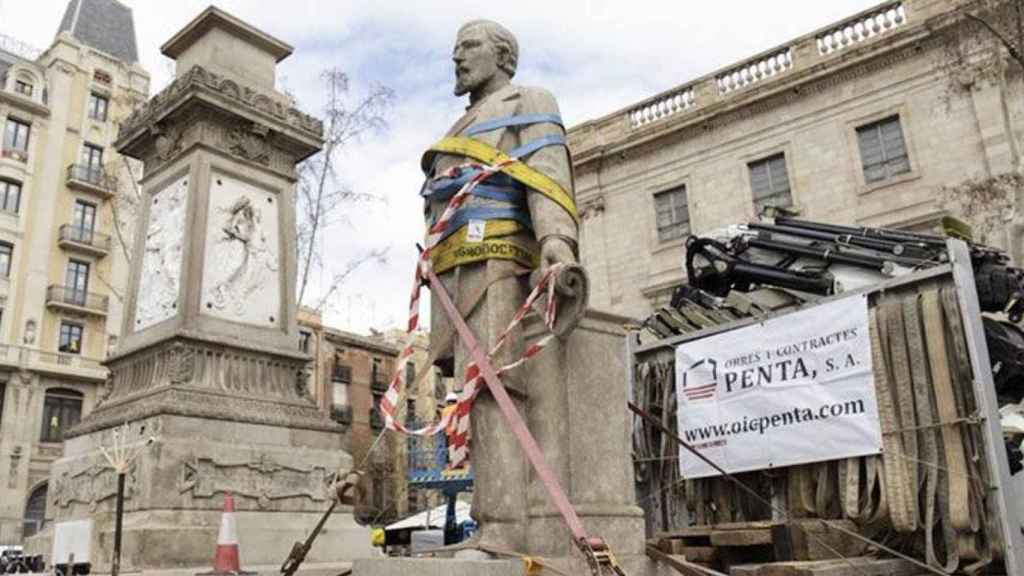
790	390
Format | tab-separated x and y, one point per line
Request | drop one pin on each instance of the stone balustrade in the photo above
755	70
862	27
803	53
662	106
27	357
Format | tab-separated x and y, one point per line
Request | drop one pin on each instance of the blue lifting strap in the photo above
464	215
443	188
501	193
533	146
506	121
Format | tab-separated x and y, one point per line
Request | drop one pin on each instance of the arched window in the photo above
62	409
24	84
35	511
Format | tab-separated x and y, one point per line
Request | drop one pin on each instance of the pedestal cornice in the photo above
298	132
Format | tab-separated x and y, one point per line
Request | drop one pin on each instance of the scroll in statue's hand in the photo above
555	250
572	285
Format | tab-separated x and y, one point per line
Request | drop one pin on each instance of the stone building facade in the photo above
423	405
348	377
888	118
63	269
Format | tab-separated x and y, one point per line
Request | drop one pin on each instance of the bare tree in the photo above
320	191
121	175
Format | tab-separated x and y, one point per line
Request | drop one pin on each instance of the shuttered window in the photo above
672	214
883	151
769	182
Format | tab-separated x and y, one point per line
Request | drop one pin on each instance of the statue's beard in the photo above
467	82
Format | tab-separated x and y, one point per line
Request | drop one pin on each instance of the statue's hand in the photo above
556	250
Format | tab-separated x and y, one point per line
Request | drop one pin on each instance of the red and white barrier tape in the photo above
458	449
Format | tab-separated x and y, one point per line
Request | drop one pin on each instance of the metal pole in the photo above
1001	495
115	566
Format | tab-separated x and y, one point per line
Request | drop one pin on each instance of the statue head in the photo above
485	56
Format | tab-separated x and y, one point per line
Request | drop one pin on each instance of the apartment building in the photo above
348	377
66	200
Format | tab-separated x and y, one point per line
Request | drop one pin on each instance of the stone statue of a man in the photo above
503	232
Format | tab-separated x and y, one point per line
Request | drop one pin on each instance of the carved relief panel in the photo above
242	270
161	261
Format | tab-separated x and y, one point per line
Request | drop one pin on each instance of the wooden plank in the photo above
749	537
813	540
681	565
782	543
700	553
707	529
856	566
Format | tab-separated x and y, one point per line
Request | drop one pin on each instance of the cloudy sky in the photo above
596	56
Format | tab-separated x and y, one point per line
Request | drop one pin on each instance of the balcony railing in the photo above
52	362
89	178
66	359
14	154
341	373
797	61
77	300
73	236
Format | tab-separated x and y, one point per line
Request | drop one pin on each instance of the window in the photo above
304	340
35	512
375	373
769	181
76	282
98	106
22	87
70	338
62	409
6	253
410	374
83	222
16	136
10	196
673	214
340	394
92	156
882	149
376	420
410	410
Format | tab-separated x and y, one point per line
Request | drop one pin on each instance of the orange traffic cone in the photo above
226	560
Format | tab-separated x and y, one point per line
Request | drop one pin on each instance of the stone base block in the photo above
175	491
632	565
436	566
263	538
621	526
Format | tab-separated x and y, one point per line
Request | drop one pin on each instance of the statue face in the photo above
476	60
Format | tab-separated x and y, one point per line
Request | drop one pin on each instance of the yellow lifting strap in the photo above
456	250
518	170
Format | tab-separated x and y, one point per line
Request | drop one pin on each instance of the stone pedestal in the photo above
175	493
577	412
209	360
